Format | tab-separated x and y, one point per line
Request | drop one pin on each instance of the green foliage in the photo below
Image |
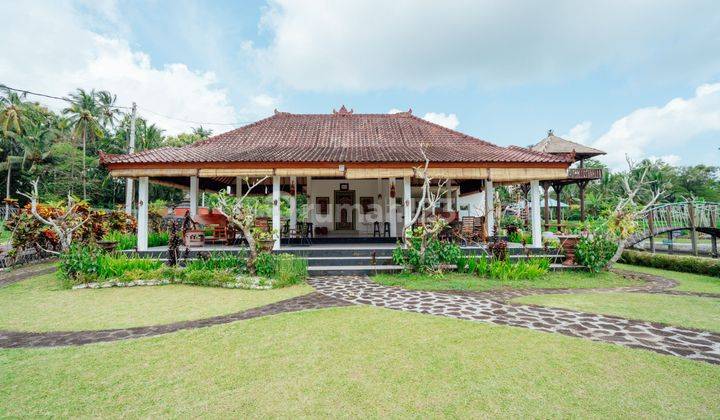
594	251
515	237
265	264
87	263
290	270
482	266
234	262
436	253
205	277
126	241
685	264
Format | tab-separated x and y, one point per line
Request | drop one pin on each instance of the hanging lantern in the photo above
392	191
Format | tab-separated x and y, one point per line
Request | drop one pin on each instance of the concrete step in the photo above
347	261
352	270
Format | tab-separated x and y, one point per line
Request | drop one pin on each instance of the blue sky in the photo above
635	77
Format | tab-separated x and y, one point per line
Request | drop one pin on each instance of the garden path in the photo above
492	307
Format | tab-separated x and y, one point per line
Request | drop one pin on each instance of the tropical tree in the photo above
84	113
12	111
109	112
202	132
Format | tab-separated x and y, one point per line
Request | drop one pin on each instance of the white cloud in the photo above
395	111
376	44
580	133
47	49
446	120
669	159
675	126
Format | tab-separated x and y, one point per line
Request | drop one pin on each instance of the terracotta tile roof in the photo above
339	137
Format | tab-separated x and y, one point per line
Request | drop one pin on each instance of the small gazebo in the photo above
580	176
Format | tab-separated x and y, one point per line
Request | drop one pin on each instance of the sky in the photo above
633	78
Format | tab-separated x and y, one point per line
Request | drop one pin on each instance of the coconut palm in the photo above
12	113
108	110
202	132
84	114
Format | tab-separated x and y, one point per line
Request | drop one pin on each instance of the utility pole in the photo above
131	149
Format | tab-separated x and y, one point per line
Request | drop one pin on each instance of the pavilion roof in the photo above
555	145
342	136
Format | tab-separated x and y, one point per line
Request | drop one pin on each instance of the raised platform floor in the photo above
350	258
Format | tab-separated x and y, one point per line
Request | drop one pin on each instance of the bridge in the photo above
666	218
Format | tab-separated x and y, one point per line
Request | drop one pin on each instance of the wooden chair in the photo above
467	233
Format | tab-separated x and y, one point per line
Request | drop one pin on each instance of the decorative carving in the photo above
343	111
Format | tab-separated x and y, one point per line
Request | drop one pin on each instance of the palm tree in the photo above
202	132
108	111
12	114
150	136
84	114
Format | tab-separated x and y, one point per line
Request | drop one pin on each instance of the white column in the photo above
457	198
392	216
381	202
407	201
194	186
293	203
238	186
310	201
276	211
448	196
142	217
535	213
129	196
489	207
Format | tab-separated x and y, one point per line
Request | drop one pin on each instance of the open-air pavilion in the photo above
358	171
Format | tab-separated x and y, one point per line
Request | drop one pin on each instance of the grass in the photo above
355	362
37	304
686	311
459	281
688	282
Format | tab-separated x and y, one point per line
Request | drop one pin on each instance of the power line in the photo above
44	95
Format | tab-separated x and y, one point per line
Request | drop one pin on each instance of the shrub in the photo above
125	241
204	277
436	253
218	261
515	236
685	264
79	264
265	264
498	249
483	266
595	251
112	266
290	270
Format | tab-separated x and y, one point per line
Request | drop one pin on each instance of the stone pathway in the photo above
15	275
14	339
493	307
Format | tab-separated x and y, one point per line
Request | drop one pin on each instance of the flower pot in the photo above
195	238
569	244
266	245
108	246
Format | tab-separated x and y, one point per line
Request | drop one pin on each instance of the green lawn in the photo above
686	311
688	282
355	362
37	304
459	281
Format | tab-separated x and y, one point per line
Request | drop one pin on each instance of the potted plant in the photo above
569	245
264	239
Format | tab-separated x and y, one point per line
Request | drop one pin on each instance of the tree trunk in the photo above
7	189
84	174
617	255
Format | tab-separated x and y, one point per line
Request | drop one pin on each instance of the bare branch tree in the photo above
242	216
628	209
64	225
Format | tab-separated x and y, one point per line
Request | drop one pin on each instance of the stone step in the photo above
352	270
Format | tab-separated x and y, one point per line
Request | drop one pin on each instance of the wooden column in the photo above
293	203
651	228
693	231
546	188
407	202
558	208
392	207
310	200
581	186
713	238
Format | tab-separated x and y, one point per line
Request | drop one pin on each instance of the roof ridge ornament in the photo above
342	111
550	132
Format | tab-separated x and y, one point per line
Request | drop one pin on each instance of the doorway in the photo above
344	210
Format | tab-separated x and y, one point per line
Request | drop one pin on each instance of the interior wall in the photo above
362	188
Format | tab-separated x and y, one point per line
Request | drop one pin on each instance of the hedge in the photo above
685	264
